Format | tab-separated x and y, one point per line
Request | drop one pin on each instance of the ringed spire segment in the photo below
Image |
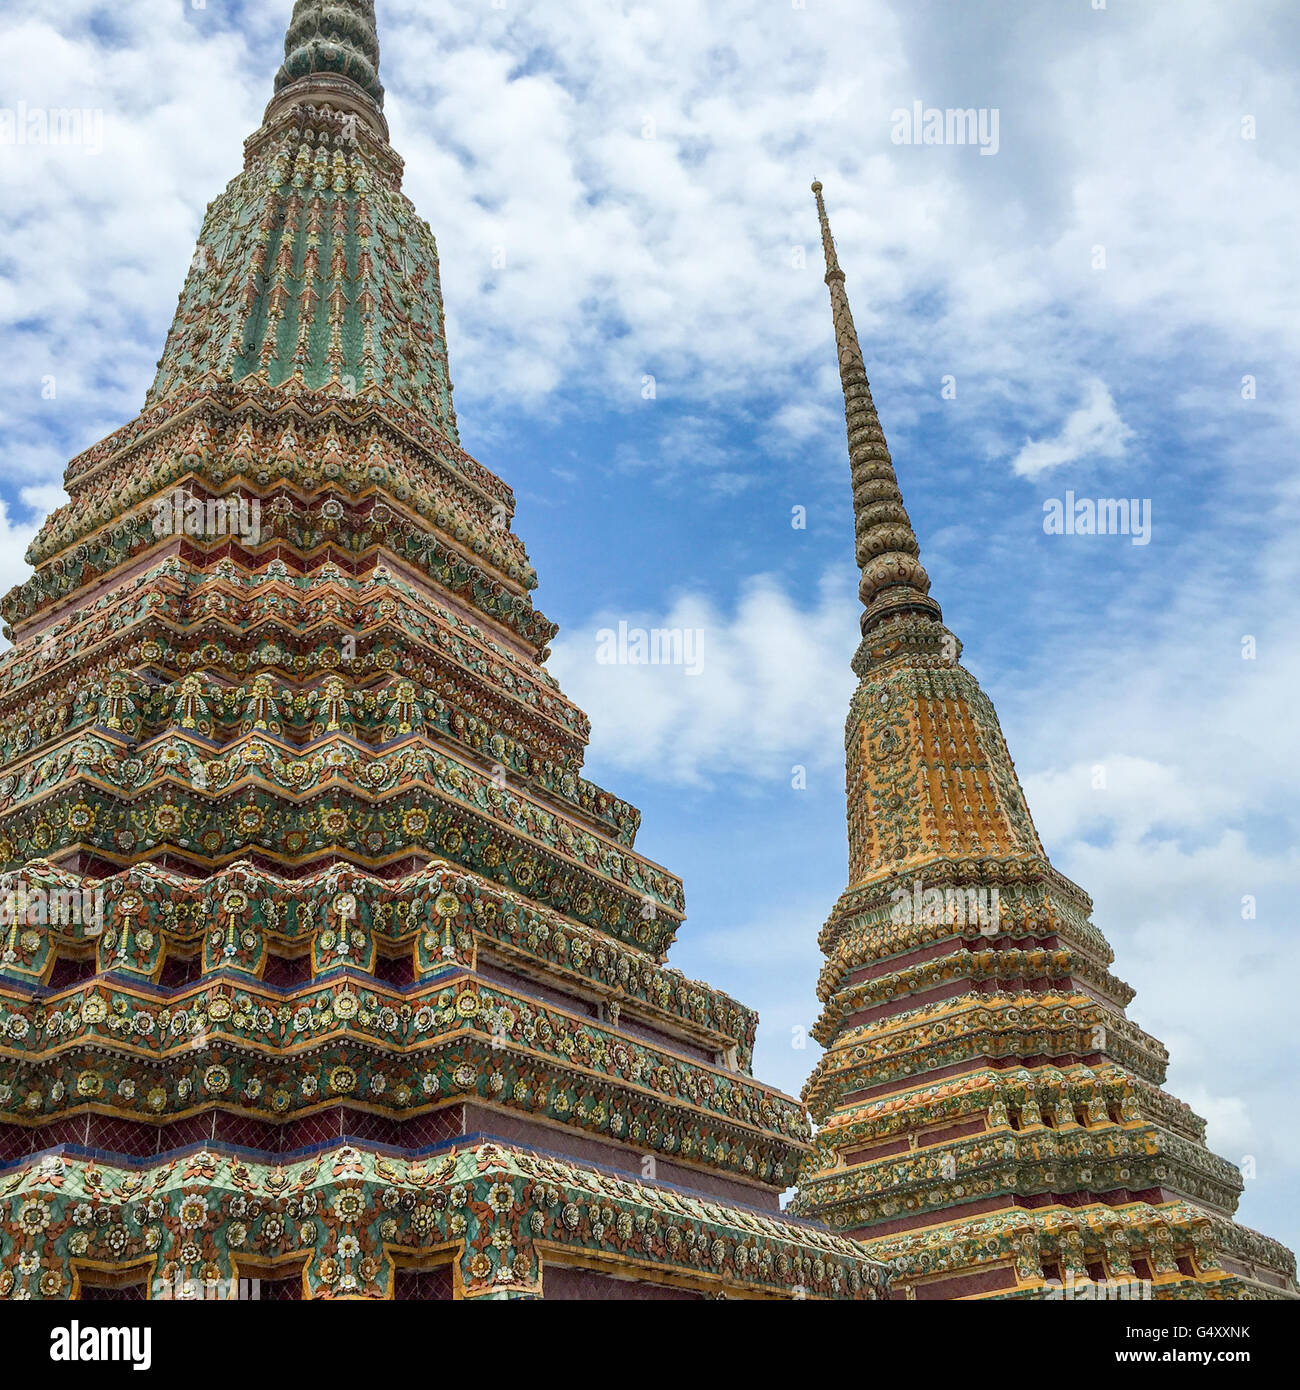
894	581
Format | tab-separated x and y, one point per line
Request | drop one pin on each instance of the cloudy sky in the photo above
620	192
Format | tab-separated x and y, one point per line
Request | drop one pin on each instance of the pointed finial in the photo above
828	241
894	581
333	39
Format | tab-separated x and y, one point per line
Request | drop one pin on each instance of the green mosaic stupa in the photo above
323	964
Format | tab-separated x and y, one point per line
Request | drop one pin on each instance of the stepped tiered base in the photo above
323	964
341	1082
468	1218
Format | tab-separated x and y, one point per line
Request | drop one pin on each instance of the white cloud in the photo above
801	419
14	540
771	693
43	498
693	450
1094	430
16	536
1229	1129
1119	790
523	129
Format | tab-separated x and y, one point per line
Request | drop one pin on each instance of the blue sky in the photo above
644	168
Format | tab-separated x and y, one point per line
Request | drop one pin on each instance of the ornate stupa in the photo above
323	966
991	1123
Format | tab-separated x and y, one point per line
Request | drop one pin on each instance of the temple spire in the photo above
332	45
894	581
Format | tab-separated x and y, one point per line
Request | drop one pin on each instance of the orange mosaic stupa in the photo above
992	1123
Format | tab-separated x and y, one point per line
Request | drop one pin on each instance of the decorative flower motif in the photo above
423	1221
34	1217
216	1080
193	1213
349	1205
